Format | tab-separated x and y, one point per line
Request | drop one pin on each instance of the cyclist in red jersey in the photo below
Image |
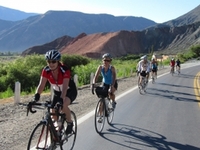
59	77
172	64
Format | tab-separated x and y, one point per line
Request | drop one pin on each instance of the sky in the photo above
157	10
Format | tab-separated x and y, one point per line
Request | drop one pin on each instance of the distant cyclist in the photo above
154	67
172	64
143	68
178	65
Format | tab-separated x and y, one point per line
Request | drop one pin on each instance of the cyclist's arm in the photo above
41	85
64	88
139	67
113	75
96	75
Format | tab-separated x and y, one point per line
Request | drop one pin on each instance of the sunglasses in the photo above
51	61
107	60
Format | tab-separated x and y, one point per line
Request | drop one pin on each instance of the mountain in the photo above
162	39
13	15
41	29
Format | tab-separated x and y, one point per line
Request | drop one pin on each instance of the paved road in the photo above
167	117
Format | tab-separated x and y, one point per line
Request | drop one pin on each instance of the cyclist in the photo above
172	64
178	65
154	67
109	77
144	69
65	90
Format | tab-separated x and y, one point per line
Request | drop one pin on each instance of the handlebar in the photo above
46	104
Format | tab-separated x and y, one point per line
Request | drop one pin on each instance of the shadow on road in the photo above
175	85
171	94
146	139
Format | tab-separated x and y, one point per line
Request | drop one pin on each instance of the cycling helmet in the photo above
144	57
53	55
107	55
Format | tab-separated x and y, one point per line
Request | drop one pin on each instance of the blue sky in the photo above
157	10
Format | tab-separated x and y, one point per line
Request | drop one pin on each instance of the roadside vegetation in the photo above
27	69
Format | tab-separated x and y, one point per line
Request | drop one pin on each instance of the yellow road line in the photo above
197	87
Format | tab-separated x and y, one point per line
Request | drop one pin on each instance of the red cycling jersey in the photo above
63	72
172	63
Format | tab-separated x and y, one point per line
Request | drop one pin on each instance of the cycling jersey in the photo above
107	75
143	66
63	72
172	63
178	63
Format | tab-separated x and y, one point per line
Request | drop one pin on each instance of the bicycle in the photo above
103	110
142	87
45	136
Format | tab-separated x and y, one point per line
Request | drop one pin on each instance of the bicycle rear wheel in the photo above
110	115
70	138
99	119
41	138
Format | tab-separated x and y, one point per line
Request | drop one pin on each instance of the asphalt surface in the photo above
165	118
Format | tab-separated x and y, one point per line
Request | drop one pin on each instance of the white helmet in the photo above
144	57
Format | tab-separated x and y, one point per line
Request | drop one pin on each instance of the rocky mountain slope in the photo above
169	38
44	28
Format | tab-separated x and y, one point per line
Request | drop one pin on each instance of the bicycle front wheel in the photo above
41	138
99	119
70	139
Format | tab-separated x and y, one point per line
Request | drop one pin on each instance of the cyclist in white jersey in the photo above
143	68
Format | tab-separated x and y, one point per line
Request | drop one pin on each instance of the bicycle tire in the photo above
99	125
70	139
110	115
41	138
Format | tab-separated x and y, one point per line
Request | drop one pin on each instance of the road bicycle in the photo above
142	87
45	136
103	110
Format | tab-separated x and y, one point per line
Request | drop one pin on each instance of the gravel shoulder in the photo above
16	127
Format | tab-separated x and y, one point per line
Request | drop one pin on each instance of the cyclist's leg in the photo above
112	97
147	77
156	73
70	97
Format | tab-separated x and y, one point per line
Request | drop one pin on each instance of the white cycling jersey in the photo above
143	66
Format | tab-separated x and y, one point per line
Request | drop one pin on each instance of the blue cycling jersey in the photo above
107	75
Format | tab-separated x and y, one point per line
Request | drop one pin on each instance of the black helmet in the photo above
107	55
53	55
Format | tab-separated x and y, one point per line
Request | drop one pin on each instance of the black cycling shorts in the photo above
154	70
144	73
71	94
107	86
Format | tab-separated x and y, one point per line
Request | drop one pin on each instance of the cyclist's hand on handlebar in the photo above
36	97
92	89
